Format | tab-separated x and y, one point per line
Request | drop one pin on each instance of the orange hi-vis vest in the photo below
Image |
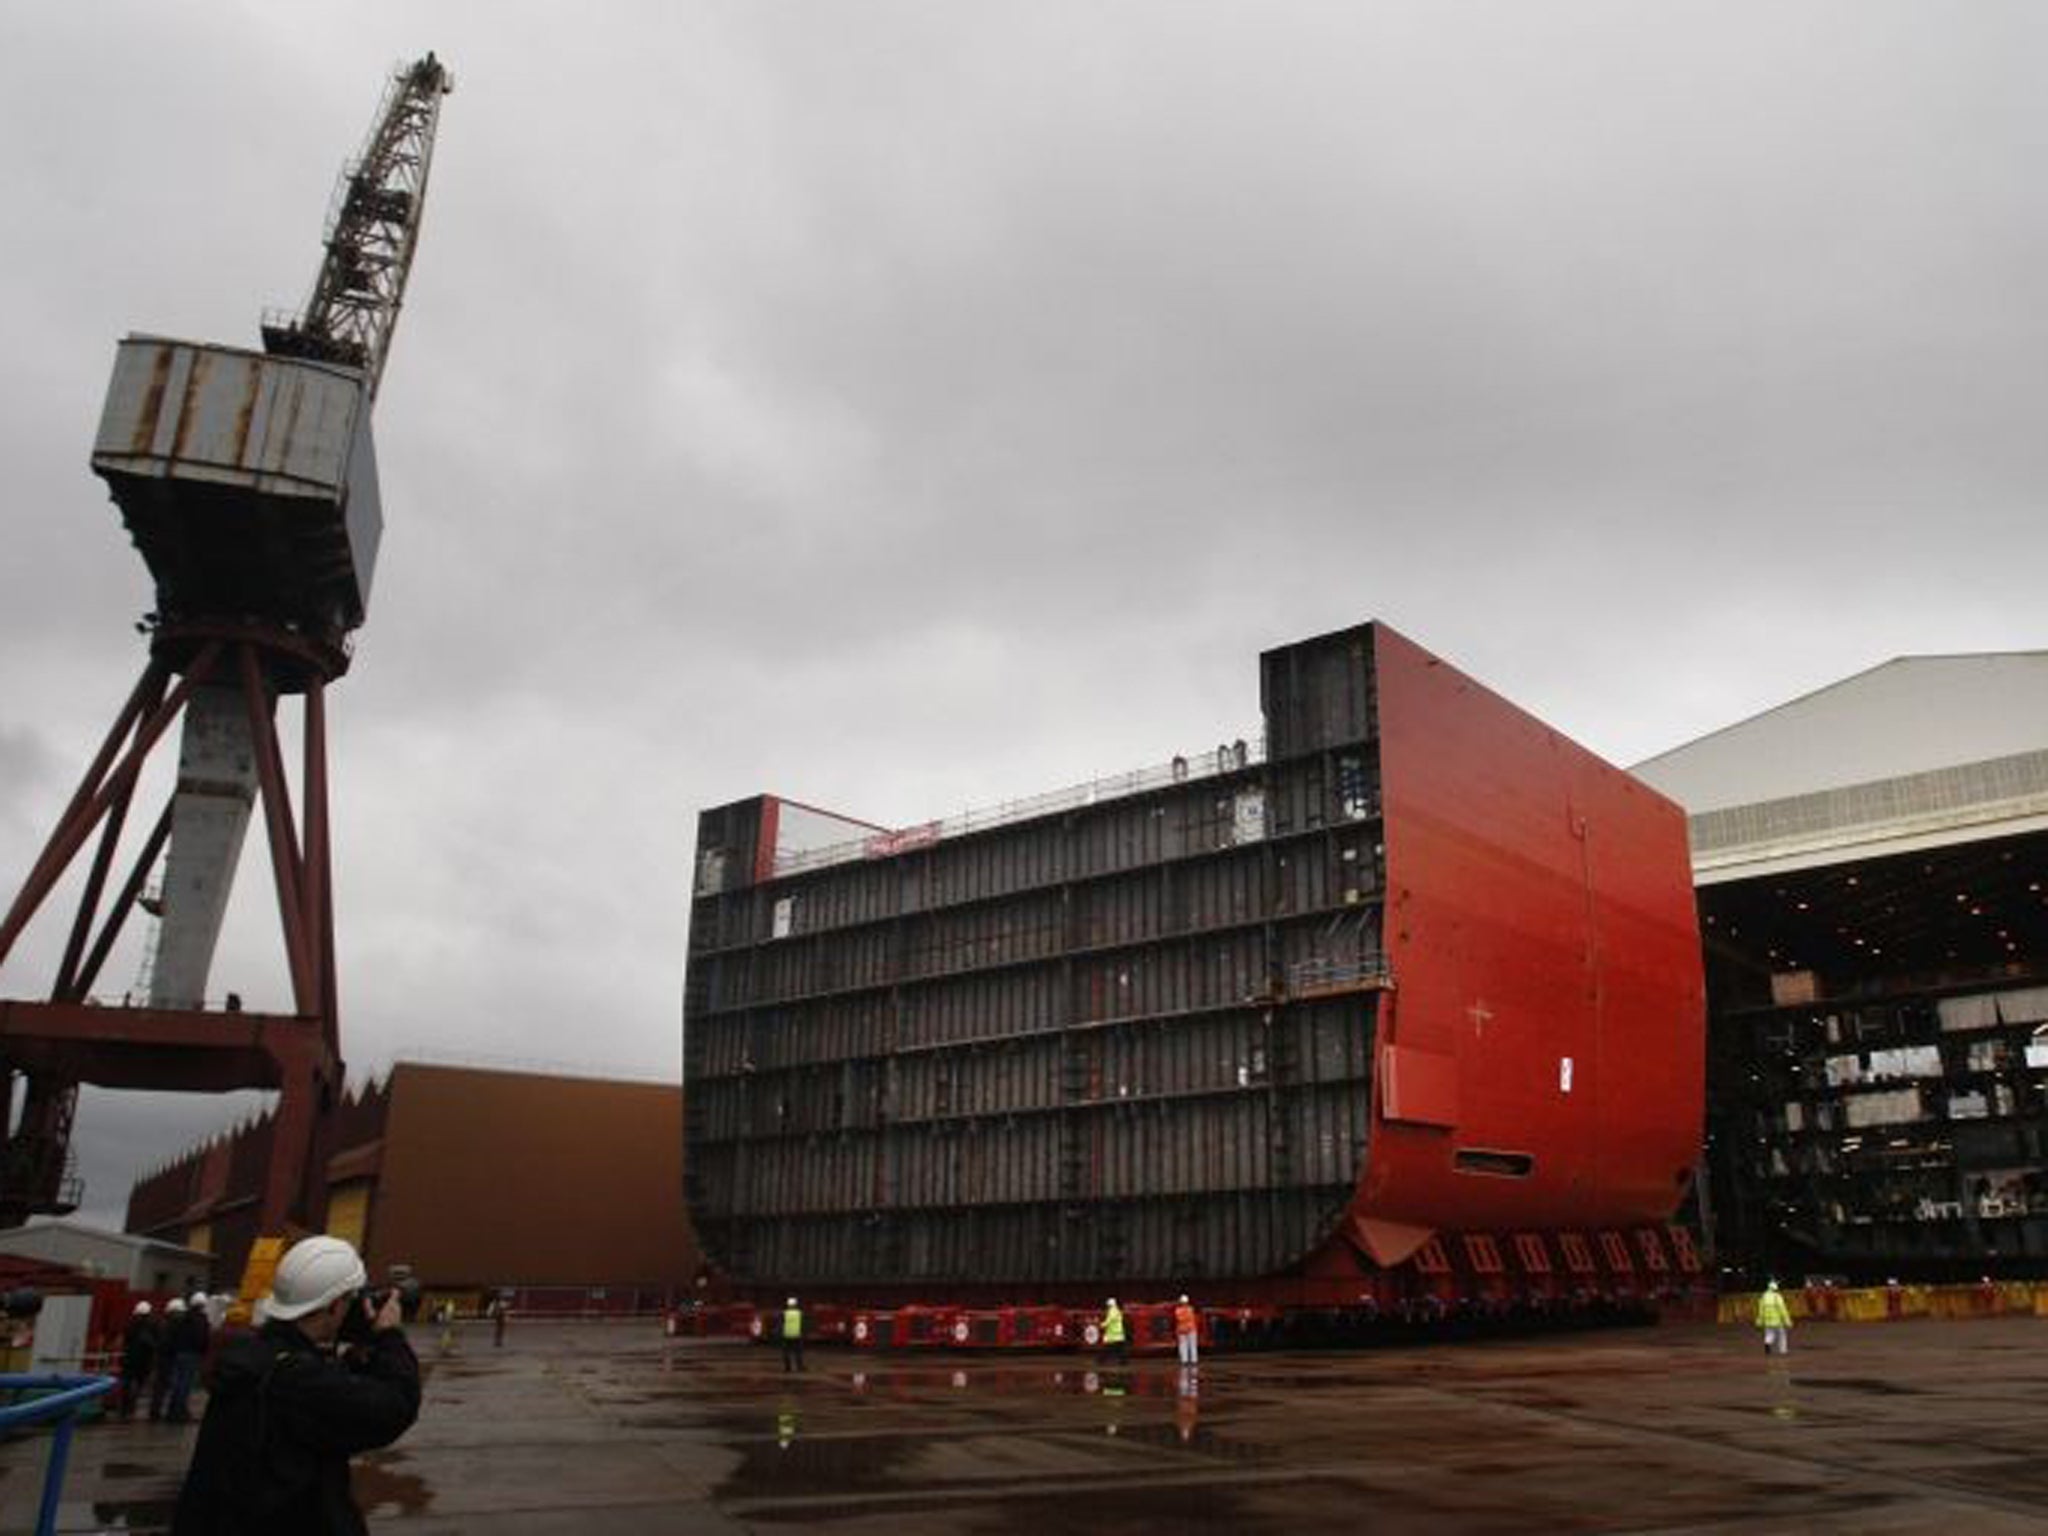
1183	1318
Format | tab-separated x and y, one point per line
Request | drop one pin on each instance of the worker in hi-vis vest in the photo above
1186	1337
792	1336
1114	1346
1775	1318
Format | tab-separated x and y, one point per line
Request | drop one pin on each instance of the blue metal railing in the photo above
63	1397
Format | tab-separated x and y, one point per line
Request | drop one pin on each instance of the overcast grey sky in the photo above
905	407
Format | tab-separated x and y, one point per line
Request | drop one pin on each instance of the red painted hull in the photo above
1549	1003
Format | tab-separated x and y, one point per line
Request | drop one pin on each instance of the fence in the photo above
1895	1303
1228	758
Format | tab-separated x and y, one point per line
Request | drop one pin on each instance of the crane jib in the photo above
371	233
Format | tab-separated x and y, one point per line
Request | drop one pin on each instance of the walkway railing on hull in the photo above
1225	759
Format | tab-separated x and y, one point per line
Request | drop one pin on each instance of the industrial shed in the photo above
140	1263
567	1190
1872	868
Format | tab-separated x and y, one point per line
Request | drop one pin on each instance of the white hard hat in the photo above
1112	1301
1183	1301
199	1298
791	1302
316	1271
175	1304
142	1309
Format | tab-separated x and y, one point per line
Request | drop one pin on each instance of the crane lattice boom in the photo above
371	233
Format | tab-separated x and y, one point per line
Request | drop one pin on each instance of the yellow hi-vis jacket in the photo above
1113	1326
792	1323
1771	1311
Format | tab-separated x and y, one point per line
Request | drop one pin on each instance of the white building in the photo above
1921	752
141	1263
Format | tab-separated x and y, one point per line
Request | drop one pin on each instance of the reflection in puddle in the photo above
134	1514
382	1491
121	1470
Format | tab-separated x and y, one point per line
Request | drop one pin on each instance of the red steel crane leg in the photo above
67	1040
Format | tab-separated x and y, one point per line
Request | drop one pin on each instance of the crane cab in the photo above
248	482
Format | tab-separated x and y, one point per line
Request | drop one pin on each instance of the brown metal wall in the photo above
500	1178
481	1178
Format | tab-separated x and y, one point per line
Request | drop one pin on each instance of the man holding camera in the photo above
285	1412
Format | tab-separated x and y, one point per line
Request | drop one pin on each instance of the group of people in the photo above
1114	1333
326	1374
1111	1330
160	1356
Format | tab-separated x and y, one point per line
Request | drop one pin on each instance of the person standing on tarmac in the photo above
1114	1345
166	1356
286	1412
792	1336
1185	1334
190	1334
1775	1318
141	1344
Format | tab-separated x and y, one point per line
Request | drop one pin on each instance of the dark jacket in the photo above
282	1420
138	1346
190	1332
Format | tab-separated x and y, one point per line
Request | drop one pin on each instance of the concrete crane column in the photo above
210	815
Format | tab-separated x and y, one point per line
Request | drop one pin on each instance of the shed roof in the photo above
1920	752
1910	715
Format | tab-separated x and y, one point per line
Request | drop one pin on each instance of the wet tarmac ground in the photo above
604	1429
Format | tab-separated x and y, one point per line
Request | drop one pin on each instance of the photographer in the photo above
285	1413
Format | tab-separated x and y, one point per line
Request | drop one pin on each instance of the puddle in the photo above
134	1514
1859	1384
380	1490
788	1464
1186	1434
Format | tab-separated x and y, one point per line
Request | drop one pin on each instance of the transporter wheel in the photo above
960	1331
860	1331
1091	1335
754	1328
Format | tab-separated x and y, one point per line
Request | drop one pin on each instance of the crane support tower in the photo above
248	483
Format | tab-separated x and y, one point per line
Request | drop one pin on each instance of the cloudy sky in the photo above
904	407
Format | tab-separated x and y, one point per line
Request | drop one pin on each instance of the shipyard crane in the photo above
247	481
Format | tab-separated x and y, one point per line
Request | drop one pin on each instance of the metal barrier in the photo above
65	1396
1898	1303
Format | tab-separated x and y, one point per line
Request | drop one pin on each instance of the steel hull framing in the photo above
1264	1020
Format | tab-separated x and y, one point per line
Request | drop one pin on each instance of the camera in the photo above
357	1326
357	1323
410	1292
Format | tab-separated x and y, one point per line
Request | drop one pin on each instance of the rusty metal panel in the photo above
265	423
247	481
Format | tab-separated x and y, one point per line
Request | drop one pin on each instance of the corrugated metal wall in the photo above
509	1178
1062	1050
473	1177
